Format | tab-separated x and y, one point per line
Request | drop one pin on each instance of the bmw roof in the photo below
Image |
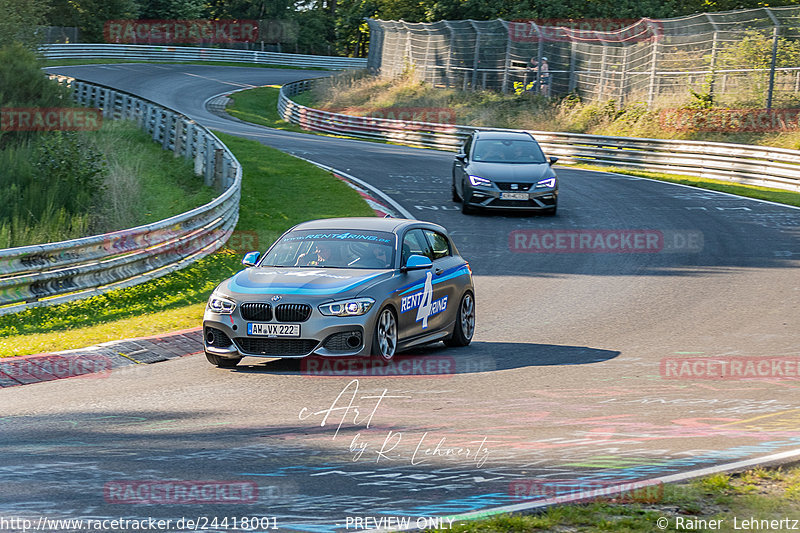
393	225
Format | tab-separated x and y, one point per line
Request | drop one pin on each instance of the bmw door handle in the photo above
438	271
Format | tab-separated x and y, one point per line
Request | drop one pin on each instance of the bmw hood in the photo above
316	282
519	172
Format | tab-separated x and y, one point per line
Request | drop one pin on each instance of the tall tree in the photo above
19	20
90	16
171	9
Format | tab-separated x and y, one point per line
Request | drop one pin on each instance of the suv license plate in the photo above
513	196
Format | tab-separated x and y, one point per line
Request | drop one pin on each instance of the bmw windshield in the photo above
508	151
333	249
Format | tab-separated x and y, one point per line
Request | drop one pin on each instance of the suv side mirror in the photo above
553	161
250	259
461	156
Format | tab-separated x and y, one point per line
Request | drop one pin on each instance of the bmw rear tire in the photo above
465	322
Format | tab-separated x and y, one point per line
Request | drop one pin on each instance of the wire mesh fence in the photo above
745	58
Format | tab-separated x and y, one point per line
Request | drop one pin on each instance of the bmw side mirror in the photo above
461	156
417	262
553	161
250	259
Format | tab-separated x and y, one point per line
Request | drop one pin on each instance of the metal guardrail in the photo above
138	52
751	165
53	273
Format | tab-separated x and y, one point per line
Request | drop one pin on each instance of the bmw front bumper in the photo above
333	336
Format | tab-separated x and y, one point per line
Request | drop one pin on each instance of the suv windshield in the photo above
508	151
332	249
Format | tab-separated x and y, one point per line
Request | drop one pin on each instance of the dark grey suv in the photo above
504	170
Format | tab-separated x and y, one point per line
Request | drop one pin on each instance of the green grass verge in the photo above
260	106
278	191
756	494
751	191
74	62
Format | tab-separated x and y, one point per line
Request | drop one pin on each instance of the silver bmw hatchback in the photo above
343	287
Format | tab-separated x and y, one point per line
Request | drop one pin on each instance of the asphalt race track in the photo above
575	375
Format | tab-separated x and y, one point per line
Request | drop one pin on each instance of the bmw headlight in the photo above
478	181
223	306
355	307
548	183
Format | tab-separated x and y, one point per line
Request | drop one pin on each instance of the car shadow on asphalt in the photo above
434	360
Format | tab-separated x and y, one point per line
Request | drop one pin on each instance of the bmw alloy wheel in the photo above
386	334
467	316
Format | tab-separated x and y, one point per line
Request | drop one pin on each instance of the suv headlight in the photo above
478	181
223	306
355	307
549	183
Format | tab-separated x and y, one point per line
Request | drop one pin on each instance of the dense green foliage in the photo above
337	26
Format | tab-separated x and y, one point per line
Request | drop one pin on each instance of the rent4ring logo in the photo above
423	302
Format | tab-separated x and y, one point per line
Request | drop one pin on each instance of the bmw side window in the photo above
468	145
414	243
439	244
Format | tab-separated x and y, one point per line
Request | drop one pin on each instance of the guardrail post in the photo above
209	161
219	165
195	148
169	125
178	146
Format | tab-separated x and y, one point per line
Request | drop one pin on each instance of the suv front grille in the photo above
276	347
257	311
506	186
292	312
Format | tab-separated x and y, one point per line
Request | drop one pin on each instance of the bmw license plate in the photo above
513	196
274	330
